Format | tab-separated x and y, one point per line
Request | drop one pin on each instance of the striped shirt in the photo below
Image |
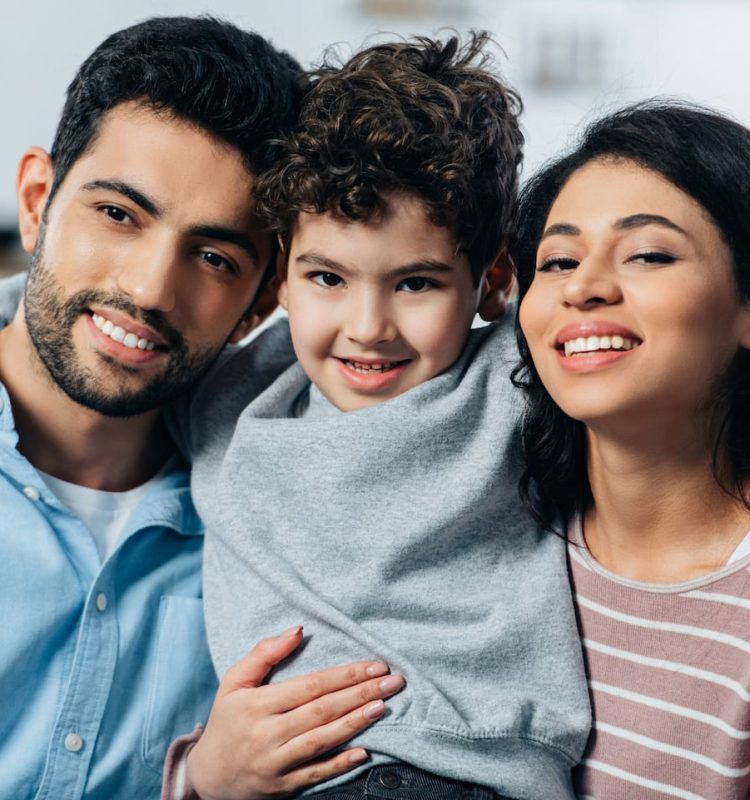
669	674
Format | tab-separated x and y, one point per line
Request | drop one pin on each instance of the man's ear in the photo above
33	184
497	286
262	308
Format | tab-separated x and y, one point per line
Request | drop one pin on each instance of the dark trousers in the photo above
402	782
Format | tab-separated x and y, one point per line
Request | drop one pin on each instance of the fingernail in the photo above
379	668
374	710
392	683
291	632
357	756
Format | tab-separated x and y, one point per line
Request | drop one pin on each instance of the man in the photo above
147	259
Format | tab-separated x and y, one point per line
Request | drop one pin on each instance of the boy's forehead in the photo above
402	234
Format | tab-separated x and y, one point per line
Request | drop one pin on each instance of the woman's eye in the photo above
415	284
652	257
557	264
327	279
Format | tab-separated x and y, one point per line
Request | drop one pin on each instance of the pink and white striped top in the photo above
669	676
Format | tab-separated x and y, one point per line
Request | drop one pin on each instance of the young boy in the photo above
370	491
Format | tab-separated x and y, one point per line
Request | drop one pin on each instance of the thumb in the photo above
252	669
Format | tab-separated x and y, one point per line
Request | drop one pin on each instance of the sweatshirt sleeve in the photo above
175	783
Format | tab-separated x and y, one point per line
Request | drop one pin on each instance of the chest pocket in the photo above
183	680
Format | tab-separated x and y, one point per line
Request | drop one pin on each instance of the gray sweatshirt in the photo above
395	532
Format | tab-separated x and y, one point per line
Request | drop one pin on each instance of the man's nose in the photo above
150	277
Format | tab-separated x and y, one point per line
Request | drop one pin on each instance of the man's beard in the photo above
49	319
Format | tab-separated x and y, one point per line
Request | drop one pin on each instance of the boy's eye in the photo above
217	262
652	257
415	284
557	264
327	279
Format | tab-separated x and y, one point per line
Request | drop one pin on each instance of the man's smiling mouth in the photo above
119	334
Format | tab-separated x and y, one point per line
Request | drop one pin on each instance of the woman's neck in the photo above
658	514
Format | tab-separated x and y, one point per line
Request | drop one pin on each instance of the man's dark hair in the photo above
419	117
707	156
228	82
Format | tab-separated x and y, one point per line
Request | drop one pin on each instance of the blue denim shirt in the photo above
101	665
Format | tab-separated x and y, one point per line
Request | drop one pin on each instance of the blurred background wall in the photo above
570	59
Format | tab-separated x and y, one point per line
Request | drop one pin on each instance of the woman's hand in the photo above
269	741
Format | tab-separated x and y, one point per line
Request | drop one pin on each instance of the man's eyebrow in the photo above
561	229
639	220
427	265
229	235
140	199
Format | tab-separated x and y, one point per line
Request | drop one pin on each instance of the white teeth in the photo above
591	344
357	366
119	334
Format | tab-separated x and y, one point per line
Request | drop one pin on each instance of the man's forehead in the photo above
166	159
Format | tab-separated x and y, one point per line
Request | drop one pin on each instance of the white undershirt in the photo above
105	514
742	549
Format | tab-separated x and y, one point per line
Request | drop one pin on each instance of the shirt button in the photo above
390	779
101	601
73	743
31	492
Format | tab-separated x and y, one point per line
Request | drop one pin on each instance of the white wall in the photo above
607	52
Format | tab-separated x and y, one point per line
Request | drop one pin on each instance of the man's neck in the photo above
67	440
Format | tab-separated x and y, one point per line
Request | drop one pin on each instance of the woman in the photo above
634	272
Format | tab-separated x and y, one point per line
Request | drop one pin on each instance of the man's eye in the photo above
557	264
115	213
217	262
415	284
327	279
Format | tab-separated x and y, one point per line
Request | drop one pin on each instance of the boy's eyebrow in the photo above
426	265
623	224
121	187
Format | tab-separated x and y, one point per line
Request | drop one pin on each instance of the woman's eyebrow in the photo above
561	229
639	220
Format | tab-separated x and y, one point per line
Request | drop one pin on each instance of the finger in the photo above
251	670
324	769
296	692
321	740
333	706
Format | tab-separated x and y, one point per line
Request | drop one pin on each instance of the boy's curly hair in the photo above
419	117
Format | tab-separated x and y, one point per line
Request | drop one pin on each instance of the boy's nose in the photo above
370	323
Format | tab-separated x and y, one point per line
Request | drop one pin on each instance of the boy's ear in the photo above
33	184
281	287
262	308
497	286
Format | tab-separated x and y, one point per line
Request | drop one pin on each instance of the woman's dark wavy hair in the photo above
231	83
419	117
707	156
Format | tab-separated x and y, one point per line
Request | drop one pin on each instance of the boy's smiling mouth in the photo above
367	367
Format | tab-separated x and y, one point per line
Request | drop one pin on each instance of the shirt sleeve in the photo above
175	782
